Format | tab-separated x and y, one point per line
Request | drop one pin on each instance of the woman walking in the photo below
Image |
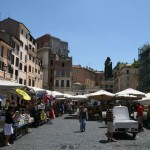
83	118
8	129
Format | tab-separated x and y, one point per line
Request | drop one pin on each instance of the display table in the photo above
20	130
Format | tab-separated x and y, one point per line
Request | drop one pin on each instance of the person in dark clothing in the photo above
8	129
82	119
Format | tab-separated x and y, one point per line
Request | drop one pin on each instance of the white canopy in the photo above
145	100
131	91
101	95
55	94
126	97
8	87
37	89
76	97
4	84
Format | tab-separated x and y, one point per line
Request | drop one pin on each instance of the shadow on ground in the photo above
119	136
103	141
78	132
71	117
123	136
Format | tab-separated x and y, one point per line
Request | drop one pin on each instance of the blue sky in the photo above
94	29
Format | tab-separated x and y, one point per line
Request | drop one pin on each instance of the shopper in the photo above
8	129
140	117
110	123
83	117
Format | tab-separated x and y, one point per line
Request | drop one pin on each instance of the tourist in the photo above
140	117
9	120
110	122
83	117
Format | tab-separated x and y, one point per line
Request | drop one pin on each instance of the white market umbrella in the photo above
55	94
8	85
145	100
131	91
126	97
102	95
80	98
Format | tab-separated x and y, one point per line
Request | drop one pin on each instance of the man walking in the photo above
110	123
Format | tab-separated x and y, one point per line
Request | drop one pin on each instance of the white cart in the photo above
122	121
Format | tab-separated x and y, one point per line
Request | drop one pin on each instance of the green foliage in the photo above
135	64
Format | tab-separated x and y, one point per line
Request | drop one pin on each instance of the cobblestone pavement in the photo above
64	134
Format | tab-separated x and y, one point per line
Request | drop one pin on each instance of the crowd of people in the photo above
44	110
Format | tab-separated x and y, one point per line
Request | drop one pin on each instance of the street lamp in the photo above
4	69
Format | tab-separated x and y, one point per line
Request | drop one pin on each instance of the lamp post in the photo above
4	69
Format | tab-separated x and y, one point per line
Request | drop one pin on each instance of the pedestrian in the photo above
110	123
140	117
83	117
9	120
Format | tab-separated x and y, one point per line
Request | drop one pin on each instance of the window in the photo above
16	74
57	83
21	31
63	65
2	51
26	47
127	71
68	83
17	62
62	83
12	59
29	46
25	58
62	72
1	65
24	82
20	81
51	62
29	68
29	56
25	68
9	54
29	82
21	44
35	70
17	47
33	59
20	66
33	83
20	55
51	80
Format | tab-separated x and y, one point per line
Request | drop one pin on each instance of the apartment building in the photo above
87	80
7	68
125	76
28	70
57	65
